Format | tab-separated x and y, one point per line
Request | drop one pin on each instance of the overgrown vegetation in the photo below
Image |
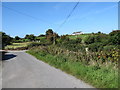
6	39
88	67
92	57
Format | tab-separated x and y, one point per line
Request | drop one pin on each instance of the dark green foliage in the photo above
63	39
109	48
20	40
17	38
114	37
97	38
99	32
70	44
95	47
51	36
114	32
49	32
35	44
72	47
89	40
31	37
78	40
6	39
41	35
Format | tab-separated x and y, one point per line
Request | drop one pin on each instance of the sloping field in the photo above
17	45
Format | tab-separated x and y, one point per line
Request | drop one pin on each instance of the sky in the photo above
21	18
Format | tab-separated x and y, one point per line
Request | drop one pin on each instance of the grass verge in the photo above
98	77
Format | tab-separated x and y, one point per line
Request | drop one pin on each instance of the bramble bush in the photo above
95	47
89	58
89	40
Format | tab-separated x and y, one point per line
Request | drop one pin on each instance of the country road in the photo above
21	70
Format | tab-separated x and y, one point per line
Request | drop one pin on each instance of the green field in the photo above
17	45
78	36
82	36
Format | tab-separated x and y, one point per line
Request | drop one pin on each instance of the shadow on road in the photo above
8	56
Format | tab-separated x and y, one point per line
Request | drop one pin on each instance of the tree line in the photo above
113	38
7	39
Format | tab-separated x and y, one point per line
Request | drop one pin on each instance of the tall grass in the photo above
100	76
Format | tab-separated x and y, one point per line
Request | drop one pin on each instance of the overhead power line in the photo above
22	13
68	15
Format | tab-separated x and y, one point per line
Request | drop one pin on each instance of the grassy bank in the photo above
100	77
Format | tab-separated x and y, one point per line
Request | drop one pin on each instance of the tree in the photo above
114	37
89	40
99	32
49	35
41	35
17	38
31	37
6	39
114	32
27	36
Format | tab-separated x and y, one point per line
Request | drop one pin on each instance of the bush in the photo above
97	38
78	40
95	47
114	32
114	37
115	40
35	44
73	63
108	48
102	38
63	39
89	40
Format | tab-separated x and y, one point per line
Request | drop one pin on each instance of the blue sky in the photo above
21	18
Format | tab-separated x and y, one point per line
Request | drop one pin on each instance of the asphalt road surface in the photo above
21	70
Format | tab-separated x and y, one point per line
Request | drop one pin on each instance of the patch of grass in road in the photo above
98	77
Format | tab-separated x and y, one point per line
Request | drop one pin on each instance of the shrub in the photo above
114	32
97	38
95	47
89	40
102	38
115	40
108	48
78	63
33	44
78	40
63	39
114	37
